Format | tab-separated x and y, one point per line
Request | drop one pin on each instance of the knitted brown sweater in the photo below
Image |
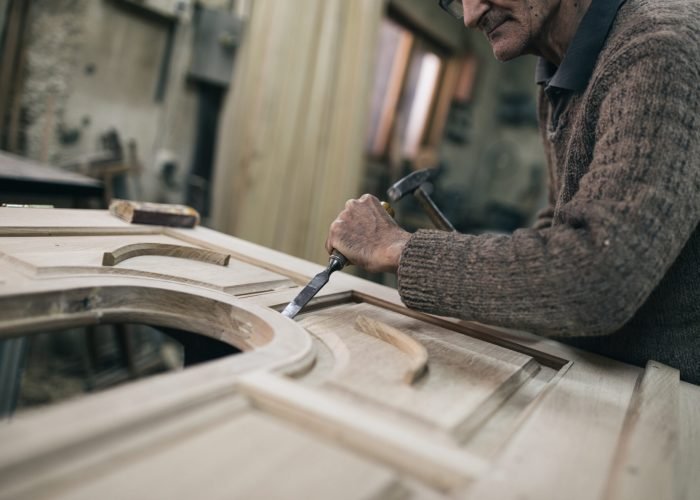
616	269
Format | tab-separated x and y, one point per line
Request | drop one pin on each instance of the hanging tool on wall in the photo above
336	262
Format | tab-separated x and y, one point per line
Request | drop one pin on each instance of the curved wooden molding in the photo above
206	312
413	349
164	250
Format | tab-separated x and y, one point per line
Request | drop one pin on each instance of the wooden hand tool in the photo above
336	262
414	183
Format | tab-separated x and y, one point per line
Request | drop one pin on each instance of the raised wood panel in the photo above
440	465
573	429
463	384
49	256
249	456
358	398
238	451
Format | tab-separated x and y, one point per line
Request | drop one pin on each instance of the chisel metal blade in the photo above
336	262
306	294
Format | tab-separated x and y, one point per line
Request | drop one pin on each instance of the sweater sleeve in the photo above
613	241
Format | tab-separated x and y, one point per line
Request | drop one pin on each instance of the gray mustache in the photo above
490	20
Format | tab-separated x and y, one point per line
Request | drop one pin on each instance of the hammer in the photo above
414	183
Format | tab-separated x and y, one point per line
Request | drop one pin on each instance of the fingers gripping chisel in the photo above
336	262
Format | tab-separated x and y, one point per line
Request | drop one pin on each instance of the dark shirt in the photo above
577	66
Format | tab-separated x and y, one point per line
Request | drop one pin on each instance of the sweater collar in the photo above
577	66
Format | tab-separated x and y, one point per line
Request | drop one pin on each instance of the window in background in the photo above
414	112
393	54
415	84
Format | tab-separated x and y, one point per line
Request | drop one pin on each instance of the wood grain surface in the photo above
358	398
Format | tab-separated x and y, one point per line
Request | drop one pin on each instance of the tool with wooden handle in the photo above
415	183
336	262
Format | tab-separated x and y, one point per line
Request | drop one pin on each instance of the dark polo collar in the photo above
577	66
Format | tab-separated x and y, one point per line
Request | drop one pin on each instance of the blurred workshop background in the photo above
265	116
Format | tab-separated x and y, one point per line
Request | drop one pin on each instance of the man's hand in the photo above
367	236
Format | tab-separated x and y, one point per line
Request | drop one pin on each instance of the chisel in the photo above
336	262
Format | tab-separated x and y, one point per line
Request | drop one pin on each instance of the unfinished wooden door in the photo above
358	397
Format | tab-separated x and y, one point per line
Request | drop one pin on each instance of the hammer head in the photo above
410	183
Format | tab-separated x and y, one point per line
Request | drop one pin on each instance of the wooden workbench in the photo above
26	181
357	398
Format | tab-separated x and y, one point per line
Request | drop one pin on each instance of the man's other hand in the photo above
367	235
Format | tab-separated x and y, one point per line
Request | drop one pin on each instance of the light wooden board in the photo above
250	456
440	465
462	386
45	256
398	405
566	446
652	424
296	153
687	480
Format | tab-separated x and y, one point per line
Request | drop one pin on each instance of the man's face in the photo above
513	27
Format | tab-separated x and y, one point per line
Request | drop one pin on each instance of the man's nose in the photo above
473	10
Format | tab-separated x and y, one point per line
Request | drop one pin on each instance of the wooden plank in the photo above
646	455
300	271
38	437
155	214
49	256
239	146
250	456
455	432
293	63
439	465
126	252
566	446
300	155
466	380
497	430
312	130
688	456
225	436
348	124
67	464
